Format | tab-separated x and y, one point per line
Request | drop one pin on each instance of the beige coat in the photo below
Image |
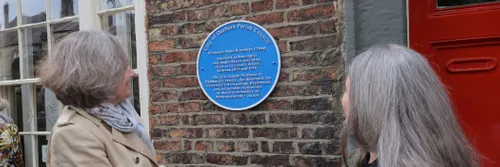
79	139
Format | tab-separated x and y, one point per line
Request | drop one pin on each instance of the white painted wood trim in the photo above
142	60
88	14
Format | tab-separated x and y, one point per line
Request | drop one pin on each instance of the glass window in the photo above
110	4
33	11
34	49
9	57
63	8
123	26
9	13
35	108
449	3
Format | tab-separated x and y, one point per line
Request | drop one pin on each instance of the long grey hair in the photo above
401	111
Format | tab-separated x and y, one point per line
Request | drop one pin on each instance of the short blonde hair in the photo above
84	68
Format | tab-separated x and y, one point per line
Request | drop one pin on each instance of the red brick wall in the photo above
297	125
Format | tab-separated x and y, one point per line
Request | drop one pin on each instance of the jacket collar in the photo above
130	140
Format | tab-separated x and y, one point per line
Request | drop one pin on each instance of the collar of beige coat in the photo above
130	140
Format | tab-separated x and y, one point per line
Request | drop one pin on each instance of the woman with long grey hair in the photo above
88	72
399	114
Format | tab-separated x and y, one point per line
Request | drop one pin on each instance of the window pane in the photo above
9	56
13	95
35	48
448	3
33	11
110	4
42	142
134	99
8	13
46	109
63	8
60	30
123	26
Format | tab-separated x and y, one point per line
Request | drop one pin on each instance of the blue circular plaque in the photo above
238	65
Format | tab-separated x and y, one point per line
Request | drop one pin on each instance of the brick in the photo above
308	133
313	44
312	104
227	133
246	119
186	43
212	119
212	12
177	4
193	28
283	32
307	2
186	69
248	146
169	30
319	12
188	145
168	145
180	82
193	94
282	4
155	83
164	95
323	1
264	19
310	148
275	133
185	56
240	9
260	6
170	107
225	159
185	120
326	133
275	160
317	58
158	133
327	27
167	18
306	89
204	146
155	109
224	146
184	158
274	105
189	107
189	133
264	146
316	161
161	45
283	147
165	120
199	3
160	71
332	147
209	106
318	74
283	46
304	118
153	60
307	29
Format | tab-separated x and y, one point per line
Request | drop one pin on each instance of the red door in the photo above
461	38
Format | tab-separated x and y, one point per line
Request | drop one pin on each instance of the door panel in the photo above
463	45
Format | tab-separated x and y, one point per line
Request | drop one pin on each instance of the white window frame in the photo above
89	17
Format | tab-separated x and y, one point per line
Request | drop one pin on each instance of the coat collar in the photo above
130	140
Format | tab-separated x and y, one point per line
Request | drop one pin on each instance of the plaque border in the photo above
277	74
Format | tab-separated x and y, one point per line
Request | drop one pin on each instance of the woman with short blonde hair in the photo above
399	114
88	72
